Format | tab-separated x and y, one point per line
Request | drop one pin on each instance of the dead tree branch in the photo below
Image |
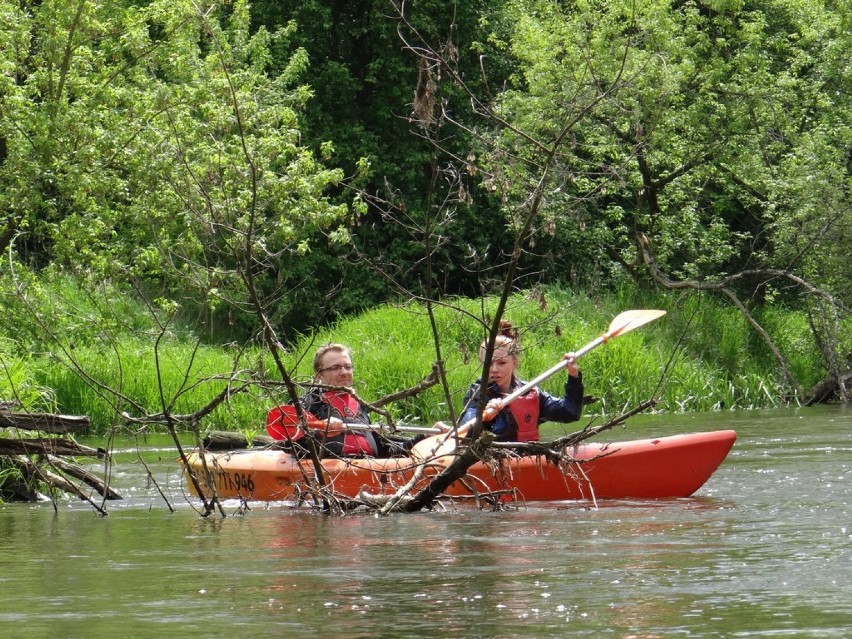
43	422
725	285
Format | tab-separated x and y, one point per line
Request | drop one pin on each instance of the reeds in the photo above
701	356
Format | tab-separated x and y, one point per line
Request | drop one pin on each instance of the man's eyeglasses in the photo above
337	368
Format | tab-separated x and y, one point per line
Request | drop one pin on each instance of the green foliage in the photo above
720	134
181	157
110	354
158	144
143	140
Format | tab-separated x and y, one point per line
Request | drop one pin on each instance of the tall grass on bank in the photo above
701	356
81	348
18	387
718	347
130	368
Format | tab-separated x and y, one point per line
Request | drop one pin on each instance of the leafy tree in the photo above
368	101
142	141
707	147
151	144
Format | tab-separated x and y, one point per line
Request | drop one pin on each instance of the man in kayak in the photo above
331	402
520	419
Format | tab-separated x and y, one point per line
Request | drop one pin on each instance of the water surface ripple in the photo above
761	551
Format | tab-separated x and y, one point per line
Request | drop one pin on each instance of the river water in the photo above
762	550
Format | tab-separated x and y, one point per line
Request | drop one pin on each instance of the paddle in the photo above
622	323
282	422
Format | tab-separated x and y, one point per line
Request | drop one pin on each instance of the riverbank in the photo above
701	356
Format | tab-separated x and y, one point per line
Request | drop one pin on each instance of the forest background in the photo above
194	196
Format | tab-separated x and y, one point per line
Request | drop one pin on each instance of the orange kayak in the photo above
663	467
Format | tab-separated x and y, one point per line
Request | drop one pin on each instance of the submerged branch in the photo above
456	470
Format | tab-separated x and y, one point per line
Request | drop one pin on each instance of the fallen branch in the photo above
32	470
455	471
85	476
38	462
44	422
48	446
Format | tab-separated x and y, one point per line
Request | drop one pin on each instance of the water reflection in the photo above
763	550
500	568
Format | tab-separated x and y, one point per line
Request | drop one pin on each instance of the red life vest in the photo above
357	444
525	411
348	409
343	405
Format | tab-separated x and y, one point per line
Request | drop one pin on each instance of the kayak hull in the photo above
657	468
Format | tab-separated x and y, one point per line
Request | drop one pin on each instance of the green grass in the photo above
130	369
701	356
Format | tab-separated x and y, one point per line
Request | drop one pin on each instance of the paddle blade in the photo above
628	320
282	422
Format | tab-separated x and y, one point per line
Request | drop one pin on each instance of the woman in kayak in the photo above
519	420
331	401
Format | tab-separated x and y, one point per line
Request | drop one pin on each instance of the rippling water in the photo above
761	551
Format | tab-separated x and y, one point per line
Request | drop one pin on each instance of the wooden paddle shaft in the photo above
624	322
402	429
